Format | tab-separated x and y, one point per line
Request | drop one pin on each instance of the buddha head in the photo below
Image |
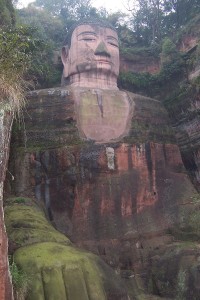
91	55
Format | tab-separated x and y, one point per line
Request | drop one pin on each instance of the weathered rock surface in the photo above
54	267
139	63
185	107
186	124
5	130
114	198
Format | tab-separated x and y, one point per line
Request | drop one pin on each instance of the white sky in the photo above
110	5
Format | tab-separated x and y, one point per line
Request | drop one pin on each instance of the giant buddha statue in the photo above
91	67
91	55
105	165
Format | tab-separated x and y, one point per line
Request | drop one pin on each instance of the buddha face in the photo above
94	50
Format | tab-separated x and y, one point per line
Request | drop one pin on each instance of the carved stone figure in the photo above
91	56
105	164
91	68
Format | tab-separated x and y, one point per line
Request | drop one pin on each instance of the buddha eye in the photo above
87	36
89	39
113	44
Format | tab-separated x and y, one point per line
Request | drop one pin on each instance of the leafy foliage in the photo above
169	51
151	84
7	13
18	46
20	282
49	28
147	20
67	10
179	12
152	20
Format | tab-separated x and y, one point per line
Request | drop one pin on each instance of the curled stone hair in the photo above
89	21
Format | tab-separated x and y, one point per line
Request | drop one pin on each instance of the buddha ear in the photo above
65	60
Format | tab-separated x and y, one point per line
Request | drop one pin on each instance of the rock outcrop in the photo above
54	268
6	118
119	199
187	127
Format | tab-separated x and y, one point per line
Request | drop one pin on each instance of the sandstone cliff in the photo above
6	118
132	208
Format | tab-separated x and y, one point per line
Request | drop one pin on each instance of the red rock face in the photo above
187	133
105	196
112	202
5	285
139	64
5	282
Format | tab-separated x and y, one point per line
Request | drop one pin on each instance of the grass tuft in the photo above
12	91
20	282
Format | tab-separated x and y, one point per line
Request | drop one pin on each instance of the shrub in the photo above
17	46
20	282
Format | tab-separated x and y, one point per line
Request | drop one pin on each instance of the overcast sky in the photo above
110	5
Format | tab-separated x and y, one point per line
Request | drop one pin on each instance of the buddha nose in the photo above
102	50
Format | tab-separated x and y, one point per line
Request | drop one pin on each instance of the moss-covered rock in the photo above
60	272
188	228
175	272
26	224
55	269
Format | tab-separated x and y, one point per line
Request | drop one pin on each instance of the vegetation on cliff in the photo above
7	13
143	33
172	67
16	51
19	47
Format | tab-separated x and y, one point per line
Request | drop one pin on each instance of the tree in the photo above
147	16
154	19
17	46
67	10
178	12
169	52
49	28
7	13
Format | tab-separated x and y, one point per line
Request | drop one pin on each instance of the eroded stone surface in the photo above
106	209
54	268
187	133
6	118
102	115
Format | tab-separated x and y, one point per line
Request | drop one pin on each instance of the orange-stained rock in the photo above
139	63
5	130
107	196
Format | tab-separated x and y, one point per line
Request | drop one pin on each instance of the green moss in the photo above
194	221
135	53
57	268
186	233
188	228
142	132
26	223
181	285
